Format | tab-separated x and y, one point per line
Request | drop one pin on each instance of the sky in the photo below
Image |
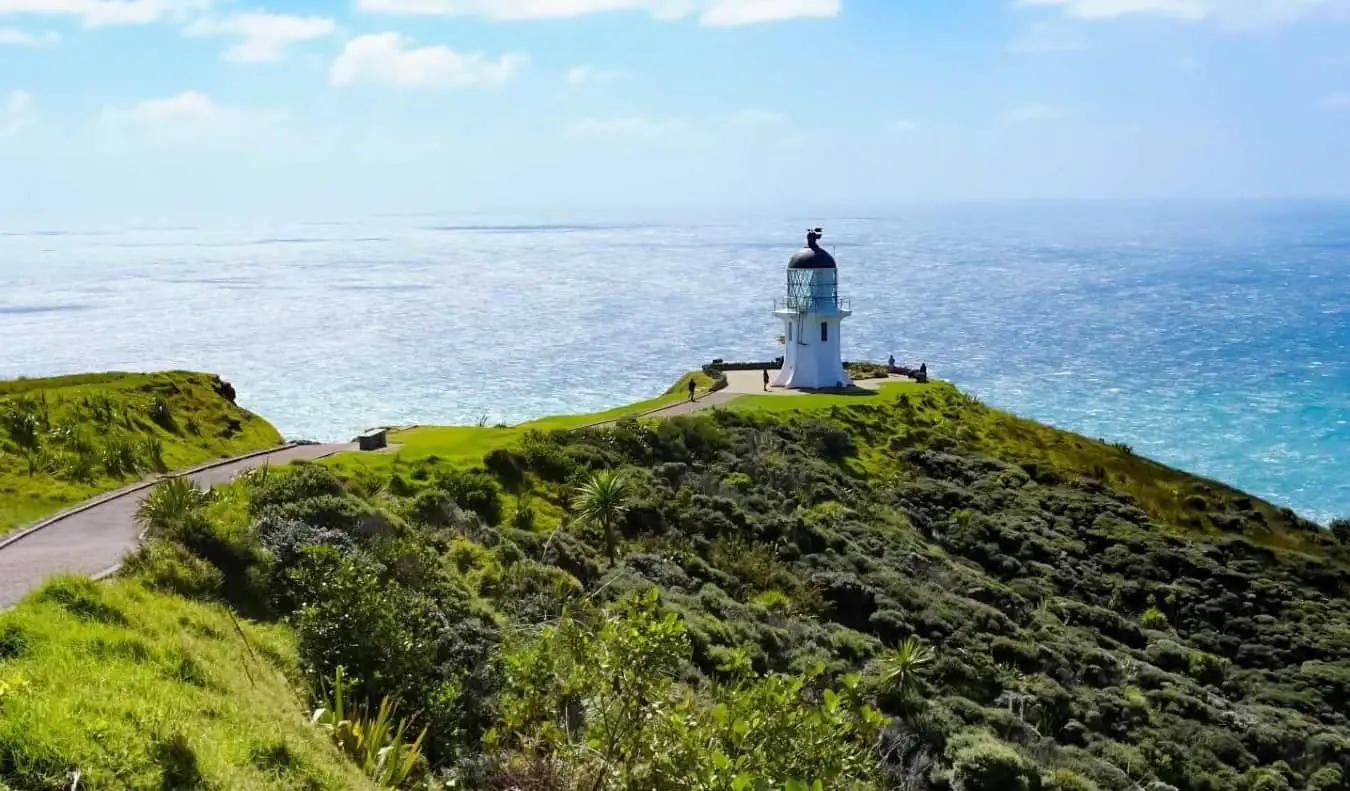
142	110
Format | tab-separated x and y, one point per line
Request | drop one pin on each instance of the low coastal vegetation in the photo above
903	590
65	439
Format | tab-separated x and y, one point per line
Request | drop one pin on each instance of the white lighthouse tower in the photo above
811	314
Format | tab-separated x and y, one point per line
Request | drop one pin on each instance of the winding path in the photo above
92	538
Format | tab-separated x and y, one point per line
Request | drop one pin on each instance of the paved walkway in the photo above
752	383
705	401
94	540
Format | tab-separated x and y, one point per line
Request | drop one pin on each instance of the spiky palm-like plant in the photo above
901	669
603	500
171	503
377	744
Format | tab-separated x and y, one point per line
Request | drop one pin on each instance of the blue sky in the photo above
147	108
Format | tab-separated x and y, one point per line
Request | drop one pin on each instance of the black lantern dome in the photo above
812	256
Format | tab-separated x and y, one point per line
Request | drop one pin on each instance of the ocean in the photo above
1211	336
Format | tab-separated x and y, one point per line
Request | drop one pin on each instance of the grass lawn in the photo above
469	444
783	404
140	690
97	432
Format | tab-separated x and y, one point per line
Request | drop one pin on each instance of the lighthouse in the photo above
811	314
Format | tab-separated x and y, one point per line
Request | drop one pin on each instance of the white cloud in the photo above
189	106
1337	101
263	37
16	113
757	118
709	12
1042	38
386	58
904	126
190	116
19	102
1238	13
23	38
1033	113
579	75
725	13
630	127
98	13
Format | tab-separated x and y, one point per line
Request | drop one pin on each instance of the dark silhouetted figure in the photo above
890	363
691	389
766	380
923	372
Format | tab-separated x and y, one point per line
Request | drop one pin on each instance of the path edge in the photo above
140	537
108	497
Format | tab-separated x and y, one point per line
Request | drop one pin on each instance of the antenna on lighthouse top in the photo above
812	236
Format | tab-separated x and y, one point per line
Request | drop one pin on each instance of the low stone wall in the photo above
719	379
722	365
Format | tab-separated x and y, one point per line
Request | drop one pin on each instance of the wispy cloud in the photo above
590	75
639	127
708	12
389	59
904	126
23	38
1235	13
187	119
263	37
1035	113
99	13
186	109
16	113
1337	101
1043	37
754	117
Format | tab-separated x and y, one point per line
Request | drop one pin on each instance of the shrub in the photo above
980	762
473	491
1328	778
170	567
161	413
1340	530
1067	780
1153	618
344	513
433	507
1206	668
119	457
13	642
301	481
508	466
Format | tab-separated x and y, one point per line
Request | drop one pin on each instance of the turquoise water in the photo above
1215	337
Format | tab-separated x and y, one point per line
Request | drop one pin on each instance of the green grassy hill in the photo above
66	439
901	590
137	689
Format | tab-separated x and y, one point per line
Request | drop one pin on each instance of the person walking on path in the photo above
691	389
766	380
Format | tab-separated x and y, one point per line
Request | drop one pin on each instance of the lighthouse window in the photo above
824	331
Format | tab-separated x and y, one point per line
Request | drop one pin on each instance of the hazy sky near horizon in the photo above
146	109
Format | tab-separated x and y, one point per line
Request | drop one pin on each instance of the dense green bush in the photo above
1070	638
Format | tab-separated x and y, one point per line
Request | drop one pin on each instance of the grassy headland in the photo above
902	590
65	439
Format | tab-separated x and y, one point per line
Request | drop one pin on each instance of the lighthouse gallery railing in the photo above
821	304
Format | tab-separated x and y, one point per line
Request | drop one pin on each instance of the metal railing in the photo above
812	304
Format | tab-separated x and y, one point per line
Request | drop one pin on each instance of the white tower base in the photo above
811	356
